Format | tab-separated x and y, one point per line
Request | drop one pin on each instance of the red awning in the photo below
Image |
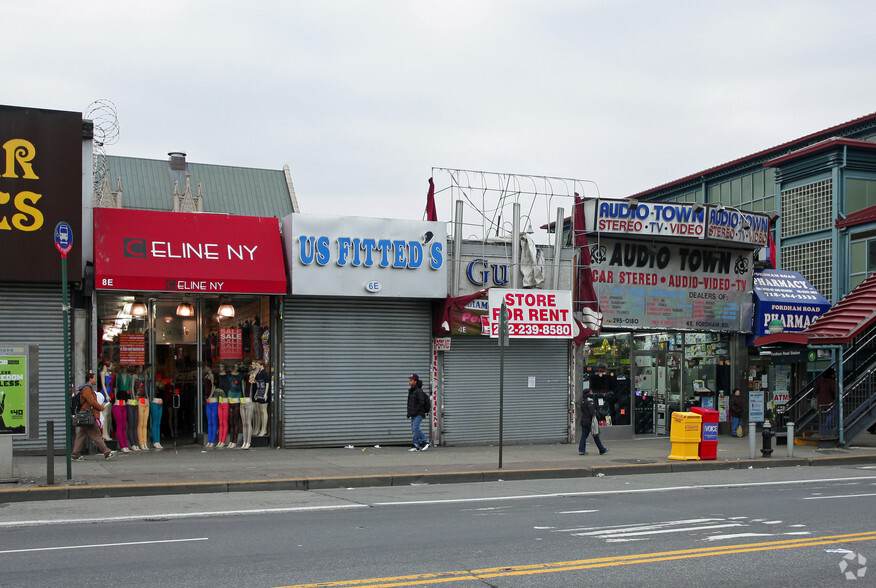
149	251
850	317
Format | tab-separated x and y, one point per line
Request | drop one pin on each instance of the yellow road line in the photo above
564	566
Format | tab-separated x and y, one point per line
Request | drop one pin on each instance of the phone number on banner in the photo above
535	329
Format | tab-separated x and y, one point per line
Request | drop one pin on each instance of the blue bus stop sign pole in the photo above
64	243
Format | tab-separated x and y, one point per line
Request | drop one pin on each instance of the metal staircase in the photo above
858	398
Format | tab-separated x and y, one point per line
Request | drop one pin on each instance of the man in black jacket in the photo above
588	414
418	406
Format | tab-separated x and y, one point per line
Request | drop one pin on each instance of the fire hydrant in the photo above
768	435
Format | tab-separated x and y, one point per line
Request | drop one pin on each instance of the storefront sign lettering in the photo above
735	225
543	314
672	286
368	252
19	156
650	218
481	272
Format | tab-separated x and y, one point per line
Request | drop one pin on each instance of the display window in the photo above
200	366
640	379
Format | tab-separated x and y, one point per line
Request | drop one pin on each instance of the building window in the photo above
860	194
813	261
863	261
806	209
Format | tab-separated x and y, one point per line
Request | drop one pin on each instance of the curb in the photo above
327	483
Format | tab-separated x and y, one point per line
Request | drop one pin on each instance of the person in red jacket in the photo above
825	393
89	400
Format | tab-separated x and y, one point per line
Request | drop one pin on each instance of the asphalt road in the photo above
787	526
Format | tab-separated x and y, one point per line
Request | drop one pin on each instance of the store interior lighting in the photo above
226	310
185	308
139	308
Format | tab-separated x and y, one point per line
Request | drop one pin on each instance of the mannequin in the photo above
261	397
132	414
212	409
106	388
235	384
223	422
155	409
120	416
123	385
246	422
233	421
223	379
142	409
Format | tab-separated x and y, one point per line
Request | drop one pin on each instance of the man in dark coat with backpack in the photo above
418	405
88	399
589	424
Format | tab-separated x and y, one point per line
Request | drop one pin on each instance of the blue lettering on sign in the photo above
496	273
710	431
367	252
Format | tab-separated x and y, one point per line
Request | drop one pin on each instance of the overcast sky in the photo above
362	98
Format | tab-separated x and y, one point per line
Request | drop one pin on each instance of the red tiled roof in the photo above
776	151
820	146
847	319
857	218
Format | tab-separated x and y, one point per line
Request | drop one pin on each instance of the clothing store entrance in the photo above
176	377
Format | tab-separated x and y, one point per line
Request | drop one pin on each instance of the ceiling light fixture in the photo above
139	307
185	308
226	310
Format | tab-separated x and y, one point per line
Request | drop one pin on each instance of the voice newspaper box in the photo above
709	441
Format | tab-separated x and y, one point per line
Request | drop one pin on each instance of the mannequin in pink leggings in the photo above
223	422
120	418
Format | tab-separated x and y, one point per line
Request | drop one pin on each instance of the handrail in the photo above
806	390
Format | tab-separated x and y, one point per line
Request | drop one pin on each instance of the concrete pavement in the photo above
194	469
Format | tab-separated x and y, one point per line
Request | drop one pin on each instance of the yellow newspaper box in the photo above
685	435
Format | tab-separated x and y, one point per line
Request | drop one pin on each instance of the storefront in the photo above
674	284
44	170
186	315
536	378
784	302
356	325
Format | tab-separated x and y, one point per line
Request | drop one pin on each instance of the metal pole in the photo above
66	329
839	395
50	452
503	334
558	248
752	446
457	247
515	247
790	439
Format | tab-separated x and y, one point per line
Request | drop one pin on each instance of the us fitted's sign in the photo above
672	286
532	314
358	256
187	252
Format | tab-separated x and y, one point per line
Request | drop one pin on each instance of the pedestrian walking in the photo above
418	406
89	400
589	424
737	414
825	395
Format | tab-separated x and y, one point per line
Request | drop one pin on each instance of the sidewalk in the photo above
194	469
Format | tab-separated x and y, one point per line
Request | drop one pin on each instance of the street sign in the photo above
63	238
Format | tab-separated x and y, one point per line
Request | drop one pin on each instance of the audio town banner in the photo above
673	286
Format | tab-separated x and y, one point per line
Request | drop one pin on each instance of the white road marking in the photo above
838	496
175	515
737	536
128	543
660	531
577	511
616	492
